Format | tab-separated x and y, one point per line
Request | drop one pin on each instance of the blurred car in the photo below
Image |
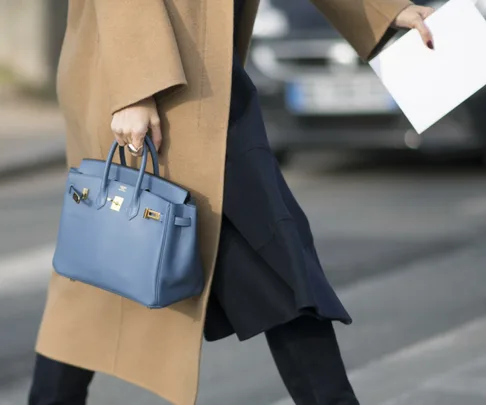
317	93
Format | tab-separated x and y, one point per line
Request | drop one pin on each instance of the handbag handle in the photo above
153	154
134	205
121	153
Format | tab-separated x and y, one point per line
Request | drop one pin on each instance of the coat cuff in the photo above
383	31
138	50
365	24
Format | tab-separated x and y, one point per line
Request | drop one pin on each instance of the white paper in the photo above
428	84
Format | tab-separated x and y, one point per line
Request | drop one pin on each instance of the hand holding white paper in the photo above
428	84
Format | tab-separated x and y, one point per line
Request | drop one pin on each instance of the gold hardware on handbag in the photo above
151	214
77	198
116	203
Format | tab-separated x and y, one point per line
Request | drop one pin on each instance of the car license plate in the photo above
358	93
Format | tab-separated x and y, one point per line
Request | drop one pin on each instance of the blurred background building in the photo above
31	33
315	91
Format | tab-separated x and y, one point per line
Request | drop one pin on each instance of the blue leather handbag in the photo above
129	232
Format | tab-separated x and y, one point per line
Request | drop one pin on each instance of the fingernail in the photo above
430	45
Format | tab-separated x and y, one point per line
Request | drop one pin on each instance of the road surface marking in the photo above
27	269
461	380
473	207
428	364
16	394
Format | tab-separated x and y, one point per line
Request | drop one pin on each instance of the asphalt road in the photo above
404	243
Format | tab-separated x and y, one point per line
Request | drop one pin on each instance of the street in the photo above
404	243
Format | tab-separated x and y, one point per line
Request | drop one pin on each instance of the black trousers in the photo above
305	351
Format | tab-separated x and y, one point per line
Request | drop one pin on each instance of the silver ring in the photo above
133	149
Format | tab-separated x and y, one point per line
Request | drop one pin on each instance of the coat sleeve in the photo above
364	23
138	50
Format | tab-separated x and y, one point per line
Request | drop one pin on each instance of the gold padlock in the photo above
116	203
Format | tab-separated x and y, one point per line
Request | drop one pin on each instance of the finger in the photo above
119	137
138	136
425	12
117	132
137	152
120	140
156	133
137	140
424	32
127	135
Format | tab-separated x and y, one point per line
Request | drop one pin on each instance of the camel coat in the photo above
115	53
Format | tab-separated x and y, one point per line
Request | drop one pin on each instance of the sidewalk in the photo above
31	135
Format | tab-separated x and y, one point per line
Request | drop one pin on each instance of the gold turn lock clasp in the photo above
151	214
84	196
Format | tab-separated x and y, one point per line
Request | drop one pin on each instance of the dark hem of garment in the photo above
309	311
